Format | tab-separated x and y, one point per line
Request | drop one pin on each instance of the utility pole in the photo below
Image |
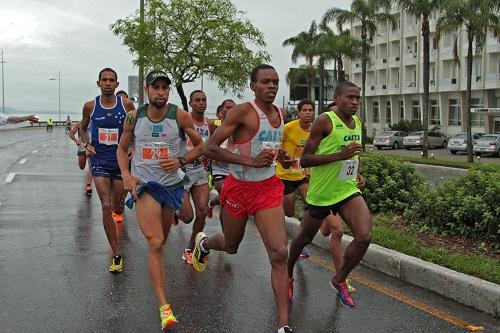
141	56
3	87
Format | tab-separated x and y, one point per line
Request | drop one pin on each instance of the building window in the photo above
415	110
454	113
476	119
435	117
401	110
388	115
376	118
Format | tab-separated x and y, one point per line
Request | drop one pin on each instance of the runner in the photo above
220	170
107	114
254	130
197	172
156	180
122	93
67	129
332	151
82	156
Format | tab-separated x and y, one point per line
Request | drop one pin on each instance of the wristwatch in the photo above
182	161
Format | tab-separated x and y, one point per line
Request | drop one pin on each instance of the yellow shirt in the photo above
293	140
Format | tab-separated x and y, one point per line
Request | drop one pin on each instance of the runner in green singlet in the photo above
332	151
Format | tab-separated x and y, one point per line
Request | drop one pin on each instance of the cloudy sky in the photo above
41	38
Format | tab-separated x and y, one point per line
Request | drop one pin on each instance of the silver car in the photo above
416	140
488	144
459	142
393	139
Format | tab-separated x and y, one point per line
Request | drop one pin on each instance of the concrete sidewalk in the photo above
477	293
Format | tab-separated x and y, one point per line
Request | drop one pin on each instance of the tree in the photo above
368	13
188	38
475	17
304	45
422	9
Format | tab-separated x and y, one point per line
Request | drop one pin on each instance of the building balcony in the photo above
380	38
395	35
409	87
492	45
381	63
410	30
356	67
447	84
370	89
393	88
409	56
432	55
446	52
381	88
492	80
394	61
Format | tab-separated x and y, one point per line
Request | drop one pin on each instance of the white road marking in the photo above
45	145
10	177
23	161
35	151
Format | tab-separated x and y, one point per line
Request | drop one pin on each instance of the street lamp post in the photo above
58	78
3	88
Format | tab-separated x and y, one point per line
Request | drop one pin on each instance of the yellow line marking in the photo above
392	293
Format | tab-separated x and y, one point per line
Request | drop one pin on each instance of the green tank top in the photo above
333	182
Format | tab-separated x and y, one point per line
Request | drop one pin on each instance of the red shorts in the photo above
241	198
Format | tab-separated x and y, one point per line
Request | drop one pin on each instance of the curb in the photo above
462	288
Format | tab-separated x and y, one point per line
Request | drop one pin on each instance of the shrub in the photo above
407	126
467	206
391	185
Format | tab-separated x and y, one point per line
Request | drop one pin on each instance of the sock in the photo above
282	329
203	248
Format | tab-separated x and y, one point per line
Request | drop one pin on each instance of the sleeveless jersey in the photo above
154	140
198	164
333	182
220	168
106	130
266	136
294	139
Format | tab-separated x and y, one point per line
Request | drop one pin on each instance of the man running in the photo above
75	136
332	151
254	130
107	113
197	172
156	180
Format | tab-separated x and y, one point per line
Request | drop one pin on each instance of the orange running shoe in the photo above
188	256
118	218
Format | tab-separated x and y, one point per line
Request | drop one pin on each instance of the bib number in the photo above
296	167
349	170
154	151
108	136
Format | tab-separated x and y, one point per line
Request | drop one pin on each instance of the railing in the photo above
493	77
446	50
410	30
394	59
381	61
382	86
410	84
492	41
447	81
394	85
409	56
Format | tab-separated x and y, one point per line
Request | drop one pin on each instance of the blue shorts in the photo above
169	197
101	171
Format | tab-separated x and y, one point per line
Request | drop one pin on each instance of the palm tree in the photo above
475	17
368	13
422	9
304	46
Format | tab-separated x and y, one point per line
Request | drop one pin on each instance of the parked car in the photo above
488	144
416	140
459	142
393	139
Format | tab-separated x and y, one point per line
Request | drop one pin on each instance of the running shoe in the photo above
118	218
167	317
199	256
284	329
304	253
350	287
210	212
116	264
290	288
88	189
342	293
188	256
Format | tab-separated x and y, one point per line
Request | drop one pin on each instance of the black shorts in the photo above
217	178
292	185
320	212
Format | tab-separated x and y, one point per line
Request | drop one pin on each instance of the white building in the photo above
394	87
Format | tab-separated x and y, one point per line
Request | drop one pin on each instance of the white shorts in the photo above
196	179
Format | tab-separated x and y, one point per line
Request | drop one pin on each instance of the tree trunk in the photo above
140	80
364	60
425	108
321	104
182	95
340	70
470	157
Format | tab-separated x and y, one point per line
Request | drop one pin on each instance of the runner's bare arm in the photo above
186	123
211	127
84	124
320	129
128	104
129	182
234	118
73	132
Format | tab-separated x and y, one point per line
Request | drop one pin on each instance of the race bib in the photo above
108	136
349	170
154	150
296	167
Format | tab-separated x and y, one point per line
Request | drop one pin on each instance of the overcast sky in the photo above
42	38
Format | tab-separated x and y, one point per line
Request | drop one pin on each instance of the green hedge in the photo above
468	206
391	185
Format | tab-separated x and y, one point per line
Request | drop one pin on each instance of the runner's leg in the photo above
357	216
185	213
200	200
332	222
271	225
289	204
103	186
119	194
229	241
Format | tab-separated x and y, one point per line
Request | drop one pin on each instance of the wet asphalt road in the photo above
54	258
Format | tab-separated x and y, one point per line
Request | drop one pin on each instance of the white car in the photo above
488	144
459	142
416	140
393	139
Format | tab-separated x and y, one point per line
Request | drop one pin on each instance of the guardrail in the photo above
55	123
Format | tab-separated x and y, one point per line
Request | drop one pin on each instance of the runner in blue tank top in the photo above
107	114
